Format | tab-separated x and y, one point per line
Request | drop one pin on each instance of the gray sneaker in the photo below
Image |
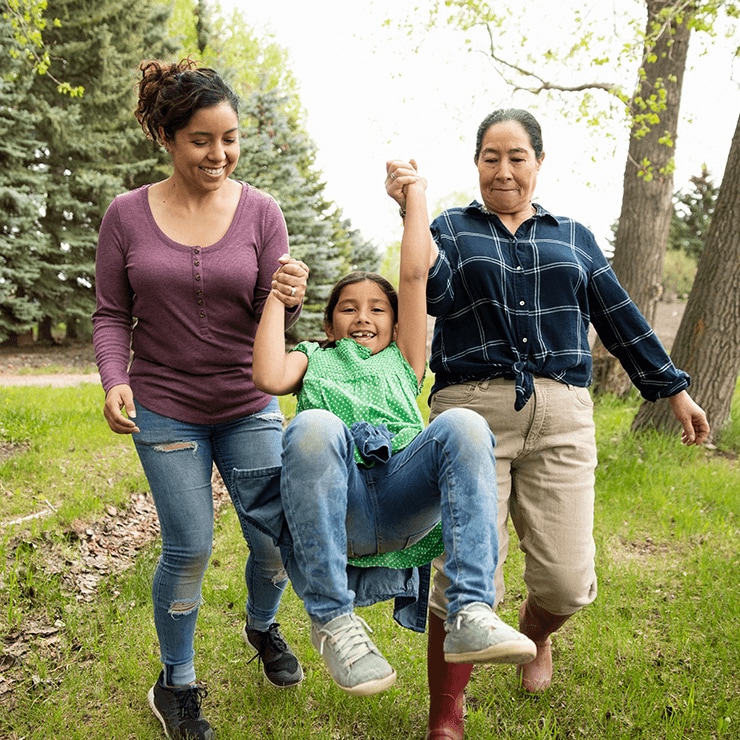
355	664
476	635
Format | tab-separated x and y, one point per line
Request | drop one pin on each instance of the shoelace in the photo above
275	639
351	643
477	615
191	701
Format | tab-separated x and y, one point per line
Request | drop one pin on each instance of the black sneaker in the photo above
279	664
179	711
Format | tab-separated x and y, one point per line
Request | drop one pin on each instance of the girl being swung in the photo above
361	476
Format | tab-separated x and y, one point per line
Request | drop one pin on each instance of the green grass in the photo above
654	657
679	271
70	463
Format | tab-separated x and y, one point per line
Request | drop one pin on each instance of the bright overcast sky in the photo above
368	98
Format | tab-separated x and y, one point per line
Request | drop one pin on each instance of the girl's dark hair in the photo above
170	93
360	276
528	121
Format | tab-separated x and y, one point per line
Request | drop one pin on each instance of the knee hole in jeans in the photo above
183	608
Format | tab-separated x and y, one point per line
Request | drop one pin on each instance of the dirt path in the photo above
51	365
55	380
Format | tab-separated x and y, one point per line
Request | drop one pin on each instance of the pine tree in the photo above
277	156
22	243
692	214
363	254
92	145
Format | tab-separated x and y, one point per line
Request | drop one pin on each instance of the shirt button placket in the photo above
519	285
197	277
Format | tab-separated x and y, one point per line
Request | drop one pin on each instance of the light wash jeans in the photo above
178	458
335	508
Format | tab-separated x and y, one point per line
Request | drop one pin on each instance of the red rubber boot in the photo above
447	682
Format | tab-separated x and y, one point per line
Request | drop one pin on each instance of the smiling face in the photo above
206	151
363	313
507	169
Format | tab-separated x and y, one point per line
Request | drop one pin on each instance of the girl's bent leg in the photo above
318	468
318	472
448	471
457	451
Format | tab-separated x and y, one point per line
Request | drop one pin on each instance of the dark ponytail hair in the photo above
170	93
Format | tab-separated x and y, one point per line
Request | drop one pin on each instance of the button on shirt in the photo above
519	306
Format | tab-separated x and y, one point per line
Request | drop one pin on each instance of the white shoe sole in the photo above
513	651
150	697
371	687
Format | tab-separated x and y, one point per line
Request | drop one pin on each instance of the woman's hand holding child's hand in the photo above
289	281
400	174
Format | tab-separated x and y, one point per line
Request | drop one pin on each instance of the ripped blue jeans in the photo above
178	458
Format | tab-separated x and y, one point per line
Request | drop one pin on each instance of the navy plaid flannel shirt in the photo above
519	306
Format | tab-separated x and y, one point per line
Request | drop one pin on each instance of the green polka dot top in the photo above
356	385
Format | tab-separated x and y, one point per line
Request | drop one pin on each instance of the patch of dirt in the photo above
45	364
8	449
75	357
86	554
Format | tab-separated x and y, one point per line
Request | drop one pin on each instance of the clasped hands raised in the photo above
289	281
399	174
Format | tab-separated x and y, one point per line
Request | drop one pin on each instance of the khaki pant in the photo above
545	463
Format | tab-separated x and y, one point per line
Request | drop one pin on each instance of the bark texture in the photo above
647	206
707	343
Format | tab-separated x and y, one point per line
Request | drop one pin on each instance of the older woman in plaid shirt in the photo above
514	290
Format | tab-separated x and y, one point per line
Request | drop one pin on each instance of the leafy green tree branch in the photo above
28	22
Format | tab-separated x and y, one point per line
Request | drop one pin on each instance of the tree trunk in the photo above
707	344
71	332
647	206
45	333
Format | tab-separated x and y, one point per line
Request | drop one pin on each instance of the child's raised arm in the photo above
418	253
274	371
